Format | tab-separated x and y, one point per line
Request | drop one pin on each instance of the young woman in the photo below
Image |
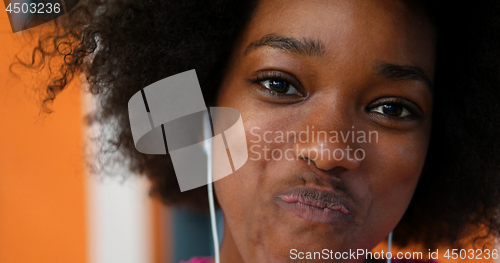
421	78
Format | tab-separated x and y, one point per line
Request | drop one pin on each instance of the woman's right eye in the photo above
280	87
280	84
395	108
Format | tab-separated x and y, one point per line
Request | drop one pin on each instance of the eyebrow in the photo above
315	48
402	72
306	46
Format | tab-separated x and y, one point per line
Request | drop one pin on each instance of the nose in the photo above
328	149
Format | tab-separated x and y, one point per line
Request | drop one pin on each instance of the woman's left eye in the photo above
392	110
280	87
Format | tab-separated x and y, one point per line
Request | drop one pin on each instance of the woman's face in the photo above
336	102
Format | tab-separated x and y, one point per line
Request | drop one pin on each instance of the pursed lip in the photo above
313	204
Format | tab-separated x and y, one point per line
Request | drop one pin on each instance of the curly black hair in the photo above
122	46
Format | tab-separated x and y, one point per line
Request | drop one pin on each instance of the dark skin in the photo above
332	65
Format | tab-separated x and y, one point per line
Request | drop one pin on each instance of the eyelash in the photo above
261	77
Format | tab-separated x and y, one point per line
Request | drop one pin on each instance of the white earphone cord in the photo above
207	134
389	247
213	222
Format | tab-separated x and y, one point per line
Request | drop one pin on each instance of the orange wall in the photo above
42	209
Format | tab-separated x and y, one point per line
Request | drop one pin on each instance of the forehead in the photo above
365	31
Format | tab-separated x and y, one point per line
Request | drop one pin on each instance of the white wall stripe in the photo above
119	221
119	213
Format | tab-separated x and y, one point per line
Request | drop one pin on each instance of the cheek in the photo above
396	163
243	185
244	195
234	190
403	158
239	191
401	161
240	197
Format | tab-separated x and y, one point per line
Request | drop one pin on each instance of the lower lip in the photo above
314	214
